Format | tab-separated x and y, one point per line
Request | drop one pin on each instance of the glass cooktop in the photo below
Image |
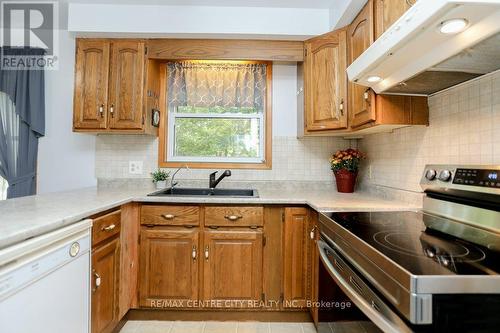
404	238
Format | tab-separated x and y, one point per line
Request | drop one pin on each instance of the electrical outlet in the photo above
135	167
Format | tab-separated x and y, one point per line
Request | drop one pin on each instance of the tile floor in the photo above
238	327
215	327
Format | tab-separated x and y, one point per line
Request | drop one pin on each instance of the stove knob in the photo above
444	175
430	174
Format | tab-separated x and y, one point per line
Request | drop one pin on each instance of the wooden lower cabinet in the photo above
213	265
105	280
232	268
295	257
168	266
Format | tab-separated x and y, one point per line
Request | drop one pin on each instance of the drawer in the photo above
170	215
224	216
106	226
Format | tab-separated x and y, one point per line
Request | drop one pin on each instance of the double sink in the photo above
205	192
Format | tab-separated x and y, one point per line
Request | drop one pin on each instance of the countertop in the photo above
28	217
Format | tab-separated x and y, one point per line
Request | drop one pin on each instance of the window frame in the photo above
166	127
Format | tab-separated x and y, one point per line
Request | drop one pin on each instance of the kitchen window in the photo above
218	114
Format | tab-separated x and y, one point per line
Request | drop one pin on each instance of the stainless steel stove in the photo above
433	270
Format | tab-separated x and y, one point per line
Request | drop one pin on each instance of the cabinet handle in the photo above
206	253
168	216
194	254
97	281
233	217
101	110
109	227
112	111
312	233
341	107
366	95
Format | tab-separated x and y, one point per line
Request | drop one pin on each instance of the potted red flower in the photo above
345	165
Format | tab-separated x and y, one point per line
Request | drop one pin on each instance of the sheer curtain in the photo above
201	84
22	122
9	139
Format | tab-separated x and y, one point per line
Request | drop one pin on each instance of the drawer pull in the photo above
109	227
168	216
193	254
233	217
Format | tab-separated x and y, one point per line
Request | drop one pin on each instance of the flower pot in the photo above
346	180
161	184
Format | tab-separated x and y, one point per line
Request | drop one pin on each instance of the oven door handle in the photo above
367	308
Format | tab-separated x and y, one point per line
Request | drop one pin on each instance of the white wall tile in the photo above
293	159
464	129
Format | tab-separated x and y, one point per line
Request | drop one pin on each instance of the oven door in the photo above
336	273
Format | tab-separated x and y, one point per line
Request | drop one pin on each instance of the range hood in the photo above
415	57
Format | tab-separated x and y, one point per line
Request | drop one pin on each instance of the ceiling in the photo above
218	3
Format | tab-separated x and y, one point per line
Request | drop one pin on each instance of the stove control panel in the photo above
477	177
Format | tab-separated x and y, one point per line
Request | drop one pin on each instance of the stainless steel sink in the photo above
216	192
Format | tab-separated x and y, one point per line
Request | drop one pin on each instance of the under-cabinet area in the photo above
193	257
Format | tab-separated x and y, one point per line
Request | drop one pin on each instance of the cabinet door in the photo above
233	266
360	37
105	274
295	263
90	101
169	266
326	82
313	259
387	12
126	85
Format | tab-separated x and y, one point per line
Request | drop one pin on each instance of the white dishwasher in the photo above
45	281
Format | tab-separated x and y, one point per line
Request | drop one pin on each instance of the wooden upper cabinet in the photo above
91	85
110	86
105	280
168	265
360	37
126	85
326	82
232	265
387	12
295	257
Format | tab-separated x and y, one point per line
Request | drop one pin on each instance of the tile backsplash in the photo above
293	159
464	129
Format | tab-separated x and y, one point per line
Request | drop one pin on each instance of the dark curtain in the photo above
22	122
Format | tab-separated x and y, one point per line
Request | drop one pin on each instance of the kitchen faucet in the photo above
213	183
172	180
